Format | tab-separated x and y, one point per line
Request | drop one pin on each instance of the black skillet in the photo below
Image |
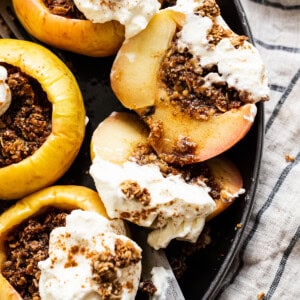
208	269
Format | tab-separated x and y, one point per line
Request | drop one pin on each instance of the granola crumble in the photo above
133	191
64	8
25	126
148	287
105	268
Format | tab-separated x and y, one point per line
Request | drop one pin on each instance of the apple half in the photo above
175	136
116	138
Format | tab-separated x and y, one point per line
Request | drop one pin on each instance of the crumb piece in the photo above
261	296
238	226
148	287
133	191
289	158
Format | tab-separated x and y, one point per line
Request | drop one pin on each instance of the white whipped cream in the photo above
67	273
241	68
176	209
134	15
5	94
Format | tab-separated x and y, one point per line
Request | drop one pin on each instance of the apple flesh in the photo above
116	138
184	140
228	177
136	82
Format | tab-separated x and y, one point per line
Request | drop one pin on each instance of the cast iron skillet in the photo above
208	268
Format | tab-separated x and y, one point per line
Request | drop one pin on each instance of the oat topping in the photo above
64	8
105	268
133	191
26	245
208	8
25	126
148	287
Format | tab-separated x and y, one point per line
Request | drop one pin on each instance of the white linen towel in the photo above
269	261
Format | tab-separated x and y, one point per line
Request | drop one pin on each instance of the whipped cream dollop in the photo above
239	63
134	15
90	258
141	194
5	93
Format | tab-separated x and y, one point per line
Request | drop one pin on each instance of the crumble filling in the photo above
26	245
64	8
26	124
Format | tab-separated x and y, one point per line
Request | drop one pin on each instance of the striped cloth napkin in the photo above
268	266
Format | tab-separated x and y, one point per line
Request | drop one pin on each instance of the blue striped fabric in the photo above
269	261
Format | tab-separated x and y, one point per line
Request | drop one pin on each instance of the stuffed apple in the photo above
43	127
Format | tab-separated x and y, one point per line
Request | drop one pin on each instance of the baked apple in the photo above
77	35
192	80
61	226
91	28
43	128
136	185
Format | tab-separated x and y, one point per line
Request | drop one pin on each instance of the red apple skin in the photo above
182	140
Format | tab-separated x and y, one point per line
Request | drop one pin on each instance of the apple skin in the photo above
117	136
207	138
136	83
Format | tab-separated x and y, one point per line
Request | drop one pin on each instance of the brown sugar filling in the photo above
25	246
185	84
25	126
64	8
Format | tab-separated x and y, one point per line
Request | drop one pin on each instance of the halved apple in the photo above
117	137
175	136
78	36
179	139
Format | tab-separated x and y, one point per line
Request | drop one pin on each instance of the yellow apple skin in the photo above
78	36
136	83
117	136
59	150
64	197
